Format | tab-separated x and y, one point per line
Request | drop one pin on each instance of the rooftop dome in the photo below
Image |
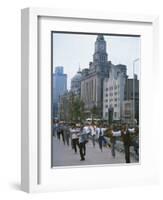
77	77
76	83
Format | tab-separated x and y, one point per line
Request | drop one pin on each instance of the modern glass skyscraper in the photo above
59	88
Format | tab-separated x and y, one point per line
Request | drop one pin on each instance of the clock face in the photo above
101	47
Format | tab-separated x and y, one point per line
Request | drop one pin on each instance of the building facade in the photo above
93	77
59	88
113	92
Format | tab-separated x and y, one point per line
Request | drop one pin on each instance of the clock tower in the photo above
92	81
100	56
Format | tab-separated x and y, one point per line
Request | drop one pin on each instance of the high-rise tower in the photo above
59	88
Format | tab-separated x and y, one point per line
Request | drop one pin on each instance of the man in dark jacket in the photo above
126	137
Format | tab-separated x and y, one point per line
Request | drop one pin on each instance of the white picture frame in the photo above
36	172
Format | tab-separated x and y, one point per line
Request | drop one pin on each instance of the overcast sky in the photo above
76	50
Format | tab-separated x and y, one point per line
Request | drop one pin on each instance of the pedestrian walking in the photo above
67	134
93	134
87	131
55	126
100	134
62	132
114	133
74	136
125	133
83	140
82	143
126	137
58	129
135	143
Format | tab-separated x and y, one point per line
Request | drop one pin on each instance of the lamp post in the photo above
110	115
134	61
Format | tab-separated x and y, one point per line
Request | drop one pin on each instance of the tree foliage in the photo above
76	109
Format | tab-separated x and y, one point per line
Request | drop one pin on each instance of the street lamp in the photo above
110	115
134	61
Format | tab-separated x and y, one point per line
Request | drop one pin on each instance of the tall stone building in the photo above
59	88
93	77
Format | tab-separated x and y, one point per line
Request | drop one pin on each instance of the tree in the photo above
76	109
94	112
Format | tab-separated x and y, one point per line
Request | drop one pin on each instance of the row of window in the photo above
115	105
111	94
111	87
115	99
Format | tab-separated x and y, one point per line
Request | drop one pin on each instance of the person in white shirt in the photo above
93	133
74	137
83	139
86	129
100	134
113	133
125	133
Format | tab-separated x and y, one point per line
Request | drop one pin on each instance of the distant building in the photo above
132	89
76	83
128	111
59	88
113	92
64	106
131	100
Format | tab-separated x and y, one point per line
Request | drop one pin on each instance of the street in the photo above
64	155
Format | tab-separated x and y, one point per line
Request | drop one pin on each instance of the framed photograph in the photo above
88	115
92	106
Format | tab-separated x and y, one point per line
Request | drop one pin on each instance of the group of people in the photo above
105	136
